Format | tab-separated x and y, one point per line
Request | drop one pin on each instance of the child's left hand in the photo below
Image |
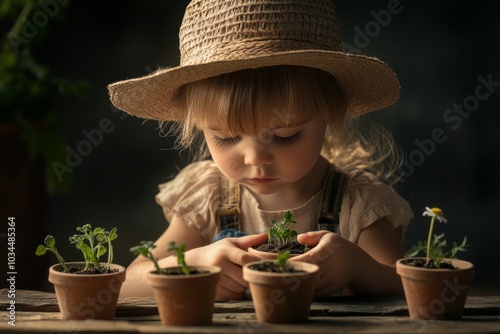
336	257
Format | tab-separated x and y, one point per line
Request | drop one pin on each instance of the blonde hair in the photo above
250	101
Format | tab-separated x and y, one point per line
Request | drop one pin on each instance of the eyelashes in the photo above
284	141
223	142
290	140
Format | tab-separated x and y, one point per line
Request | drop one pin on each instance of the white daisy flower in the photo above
436	213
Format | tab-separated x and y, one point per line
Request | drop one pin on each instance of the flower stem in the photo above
429	239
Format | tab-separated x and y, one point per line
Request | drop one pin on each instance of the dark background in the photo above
438	50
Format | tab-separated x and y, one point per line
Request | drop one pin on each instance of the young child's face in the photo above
279	157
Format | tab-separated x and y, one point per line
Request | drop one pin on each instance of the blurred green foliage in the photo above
29	88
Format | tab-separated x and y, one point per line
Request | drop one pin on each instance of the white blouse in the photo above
195	196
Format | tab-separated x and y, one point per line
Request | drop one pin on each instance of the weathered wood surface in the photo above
319	325
37	312
38	301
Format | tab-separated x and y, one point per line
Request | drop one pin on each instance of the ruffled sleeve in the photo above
194	196
367	200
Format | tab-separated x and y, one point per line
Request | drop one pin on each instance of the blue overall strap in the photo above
229	210
333	192
329	216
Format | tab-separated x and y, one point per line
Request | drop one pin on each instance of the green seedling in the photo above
282	259
281	231
179	252
50	245
145	247
435	247
91	242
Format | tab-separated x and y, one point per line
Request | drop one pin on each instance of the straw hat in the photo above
222	36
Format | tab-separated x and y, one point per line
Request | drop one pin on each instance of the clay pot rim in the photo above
211	271
54	271
309	268
267	255
464	265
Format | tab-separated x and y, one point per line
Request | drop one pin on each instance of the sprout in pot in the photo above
92	243
282	237
280	265
281	291
145	247
88	289
184	295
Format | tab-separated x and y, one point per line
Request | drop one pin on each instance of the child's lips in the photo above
262	180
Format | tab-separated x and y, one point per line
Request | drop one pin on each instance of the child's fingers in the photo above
249	240
241	257
311	239
233	281
324	244
225	294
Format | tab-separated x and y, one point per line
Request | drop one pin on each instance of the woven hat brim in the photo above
368	83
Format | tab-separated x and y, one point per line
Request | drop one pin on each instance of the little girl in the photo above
265	90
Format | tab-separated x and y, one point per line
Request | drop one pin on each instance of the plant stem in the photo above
151	257
429	239
110	253
16	29
60	259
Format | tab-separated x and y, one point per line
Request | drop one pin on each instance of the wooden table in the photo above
37	312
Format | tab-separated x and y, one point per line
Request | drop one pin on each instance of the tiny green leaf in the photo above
112	234
282	258
41	250
102	251
50	241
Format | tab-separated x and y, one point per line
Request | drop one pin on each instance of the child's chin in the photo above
264	188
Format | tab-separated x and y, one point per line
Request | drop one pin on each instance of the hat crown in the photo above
218	30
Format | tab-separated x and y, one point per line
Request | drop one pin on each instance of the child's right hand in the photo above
230	254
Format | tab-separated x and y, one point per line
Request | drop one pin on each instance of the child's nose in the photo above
257	155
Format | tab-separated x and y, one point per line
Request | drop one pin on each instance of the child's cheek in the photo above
231	168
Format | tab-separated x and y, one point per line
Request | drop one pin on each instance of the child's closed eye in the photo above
227	141
280	140
288	140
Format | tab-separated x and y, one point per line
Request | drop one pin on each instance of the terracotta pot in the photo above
436	293
282	297
186	300
86	296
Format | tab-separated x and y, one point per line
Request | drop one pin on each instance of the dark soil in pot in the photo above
90	271
274	268
421	263
292	248
178	271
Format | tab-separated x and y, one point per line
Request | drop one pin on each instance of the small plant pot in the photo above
438	294
186	300
86	296
282	297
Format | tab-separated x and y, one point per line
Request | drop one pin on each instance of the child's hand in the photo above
230	254
335	256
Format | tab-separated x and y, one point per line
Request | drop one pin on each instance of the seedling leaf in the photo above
41	250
